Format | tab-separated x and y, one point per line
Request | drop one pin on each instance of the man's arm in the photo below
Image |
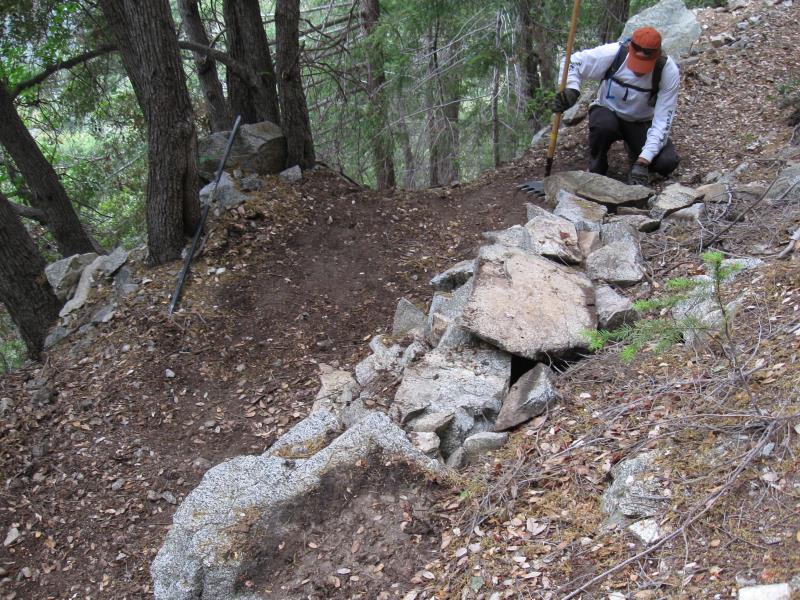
590	64
666	106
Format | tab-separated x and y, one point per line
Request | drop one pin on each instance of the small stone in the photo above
117	485
776	591
210	424
292	174
169	374
647	530
12	536
481	443
169	497
153	496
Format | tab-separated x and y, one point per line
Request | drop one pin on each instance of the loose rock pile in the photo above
446	386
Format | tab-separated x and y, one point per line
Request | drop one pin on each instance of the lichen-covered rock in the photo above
258	148
216	529
467	386
519	304
555	238
619	263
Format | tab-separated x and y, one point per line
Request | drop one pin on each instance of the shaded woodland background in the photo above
101	104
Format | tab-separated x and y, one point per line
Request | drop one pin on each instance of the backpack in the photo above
617	63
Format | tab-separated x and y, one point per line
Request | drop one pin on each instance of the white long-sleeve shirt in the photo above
627	103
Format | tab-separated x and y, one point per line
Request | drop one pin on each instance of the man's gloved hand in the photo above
564	100
639	175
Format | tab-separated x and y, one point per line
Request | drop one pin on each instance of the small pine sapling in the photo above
660	325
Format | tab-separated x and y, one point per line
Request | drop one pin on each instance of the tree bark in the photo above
248	43
24	289
47	193
382	140
528	58
444	105
296	124
145	34
496	95
614	18
218	112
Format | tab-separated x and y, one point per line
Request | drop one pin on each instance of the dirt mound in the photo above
363	534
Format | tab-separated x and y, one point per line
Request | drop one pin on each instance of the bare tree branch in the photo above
60	66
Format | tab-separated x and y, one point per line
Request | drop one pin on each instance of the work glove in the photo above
639	175
565	99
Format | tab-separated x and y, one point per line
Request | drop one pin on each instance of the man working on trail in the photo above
636	103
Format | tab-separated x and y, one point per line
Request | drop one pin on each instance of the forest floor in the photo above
306	274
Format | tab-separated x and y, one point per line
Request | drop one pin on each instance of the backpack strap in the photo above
619	59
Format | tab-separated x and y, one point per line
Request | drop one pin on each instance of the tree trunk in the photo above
248	43
496	95
444	105
47	193
24	289
614	18
145	34
218	112
296	124
382	141
410	171
530	81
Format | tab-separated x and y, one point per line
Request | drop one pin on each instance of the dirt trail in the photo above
296	277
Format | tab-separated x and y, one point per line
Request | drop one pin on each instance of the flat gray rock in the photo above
111	263
672	198
613	309
515	236
481	443
555	238
64	274
407	317
585	214
528	305
677	24
619	263
532	395
594	187
454	277
774	591
533	211
216	530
